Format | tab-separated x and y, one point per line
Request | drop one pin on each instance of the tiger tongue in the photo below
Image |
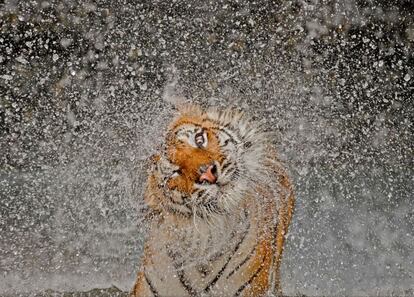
208	175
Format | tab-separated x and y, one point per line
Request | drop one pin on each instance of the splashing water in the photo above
86	93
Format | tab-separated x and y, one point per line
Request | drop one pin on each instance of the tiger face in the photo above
211	159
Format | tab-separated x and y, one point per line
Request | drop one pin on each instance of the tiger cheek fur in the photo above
222	236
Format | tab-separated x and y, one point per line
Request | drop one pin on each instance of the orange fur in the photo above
259	285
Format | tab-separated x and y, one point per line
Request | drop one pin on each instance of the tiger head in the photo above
210	160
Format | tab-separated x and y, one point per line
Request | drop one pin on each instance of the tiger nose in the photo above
208	174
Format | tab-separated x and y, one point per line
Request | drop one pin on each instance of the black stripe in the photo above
247	144
179	212
226	125
151	286
214	208
231	170
238	138
249	256
185	283
220	273
200	193
177	202
173	202
226	165
240	290
181	276
231	137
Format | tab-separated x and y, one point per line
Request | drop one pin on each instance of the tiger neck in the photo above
194	241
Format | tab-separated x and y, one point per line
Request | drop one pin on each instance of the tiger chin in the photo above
221	204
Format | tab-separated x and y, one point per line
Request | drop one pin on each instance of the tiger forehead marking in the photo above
221	204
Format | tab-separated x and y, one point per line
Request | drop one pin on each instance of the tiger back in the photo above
221	204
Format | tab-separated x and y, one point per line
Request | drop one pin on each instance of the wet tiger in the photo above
221	204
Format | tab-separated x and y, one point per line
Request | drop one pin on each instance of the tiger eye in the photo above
199	139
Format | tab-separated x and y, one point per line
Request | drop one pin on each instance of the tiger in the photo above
220	202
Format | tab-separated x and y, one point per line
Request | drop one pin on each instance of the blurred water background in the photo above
85	92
